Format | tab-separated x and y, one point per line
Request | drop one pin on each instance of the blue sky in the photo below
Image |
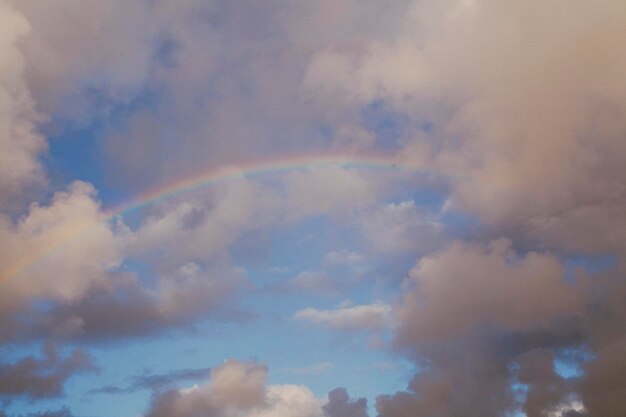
449	243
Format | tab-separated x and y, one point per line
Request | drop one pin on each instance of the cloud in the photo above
328	190
470	285
64	412
472	314
237	389
78	71
317	369
36	378
152	381
375	316
316	282
130	310
530	110
344	257
546	389
20	143
68	239
72	240
602	389
473	336
401	227
517	106
340	405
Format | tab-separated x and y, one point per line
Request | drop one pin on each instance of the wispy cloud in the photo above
155	381
375	316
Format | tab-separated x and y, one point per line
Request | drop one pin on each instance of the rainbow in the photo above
255	167
213	176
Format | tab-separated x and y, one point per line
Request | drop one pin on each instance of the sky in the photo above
338	208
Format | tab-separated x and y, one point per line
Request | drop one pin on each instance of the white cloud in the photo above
58	251
327	190
375	316
344	257
531	105
316	282
238	389
400	227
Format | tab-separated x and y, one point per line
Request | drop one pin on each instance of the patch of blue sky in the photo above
24	407
570	362
76	151
459	225
568	369
592	264
302	246
428	198
390	127
291	349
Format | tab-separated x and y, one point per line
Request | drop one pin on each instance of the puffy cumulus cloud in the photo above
237	389
340	405
479	320
36	378
546	389
103	55
469	379
62	276
520	105
475	319
56	252
375	316
20	144
531	105
602	388
132	307
470	285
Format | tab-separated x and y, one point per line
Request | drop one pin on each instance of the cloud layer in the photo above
500	259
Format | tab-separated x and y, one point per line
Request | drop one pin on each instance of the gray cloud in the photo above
64	412
546	389
340	405
151	381
36	378
20	143
473	339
